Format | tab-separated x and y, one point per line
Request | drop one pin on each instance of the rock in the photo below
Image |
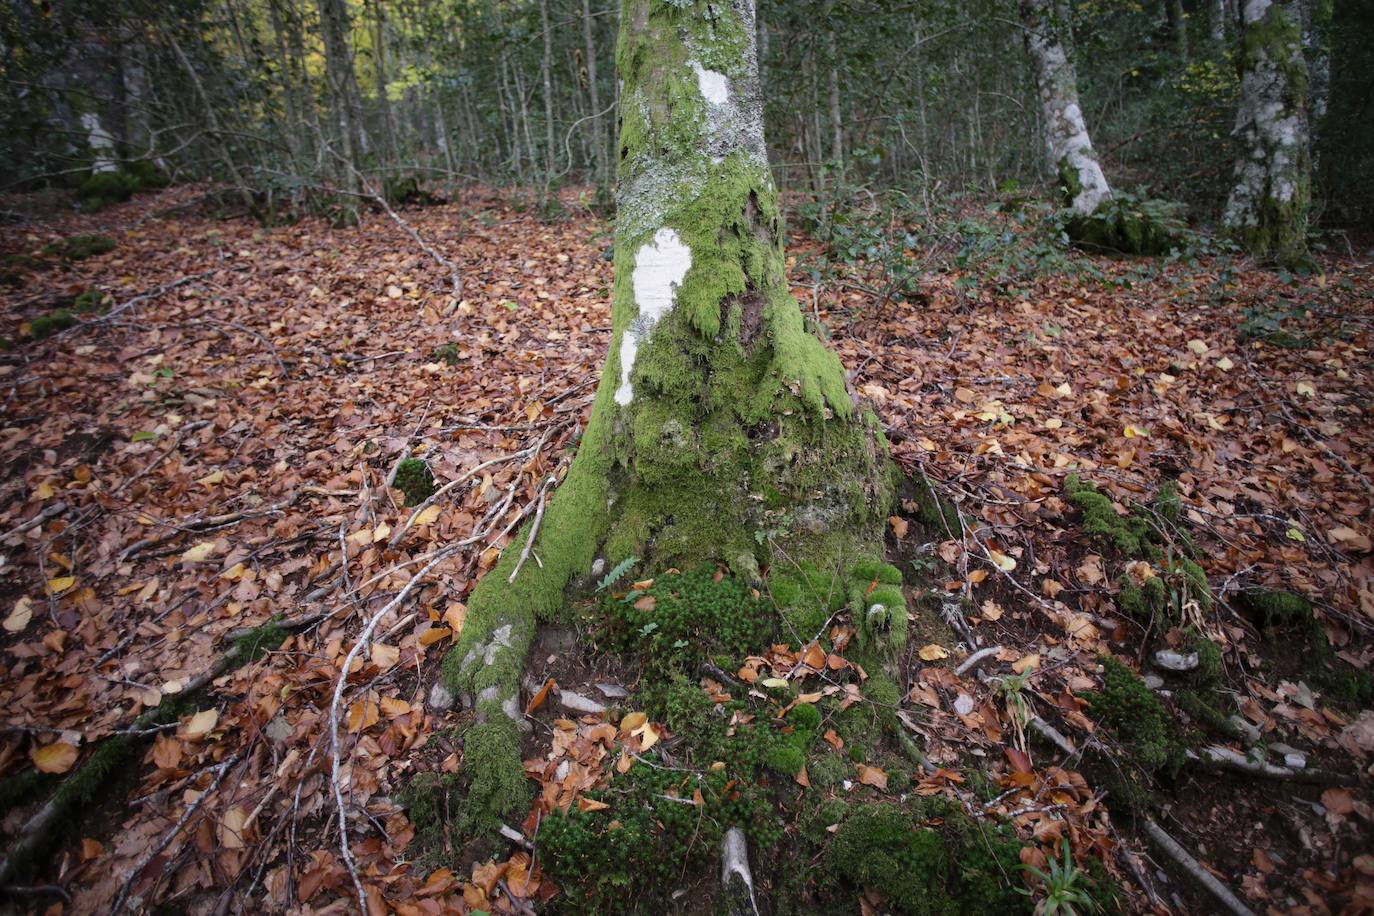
441	699
279	729
963	704
599	567
613	691
576	702
1170	660
1153	681
1295	761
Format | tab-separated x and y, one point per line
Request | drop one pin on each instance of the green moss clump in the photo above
427	799
91	302
1128	534
958	866
1136	717
684	618
23	788
828	770
257	642
1125	224
5	344
1276	608
491	750
415	480
102	189
51	323
448	353
935	511
81	247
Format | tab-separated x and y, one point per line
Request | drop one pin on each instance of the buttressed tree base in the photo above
723	431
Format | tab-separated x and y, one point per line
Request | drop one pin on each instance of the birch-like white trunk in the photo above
1070	149
1269	201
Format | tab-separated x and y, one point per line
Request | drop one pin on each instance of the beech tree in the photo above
1067	143
723	431
1268	207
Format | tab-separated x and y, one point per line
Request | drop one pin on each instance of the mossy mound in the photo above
683	618
448	353
1153	534
925	856
1151	740
408	191
102	189
47	325
415	480
1288	618
1130	225
81	247
872	590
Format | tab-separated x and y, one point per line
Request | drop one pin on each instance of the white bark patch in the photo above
100	142
715	88
660	266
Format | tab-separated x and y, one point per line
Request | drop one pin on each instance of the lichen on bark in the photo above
722	431
1268	207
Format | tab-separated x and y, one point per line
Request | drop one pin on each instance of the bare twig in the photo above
534	530
334	703
1180	855
52	511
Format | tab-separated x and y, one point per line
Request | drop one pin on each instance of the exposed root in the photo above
735	876
1180	855
1219	755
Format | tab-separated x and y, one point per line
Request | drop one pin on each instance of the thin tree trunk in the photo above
594	95
546	75
212	123
1268	206
833	93
1070	149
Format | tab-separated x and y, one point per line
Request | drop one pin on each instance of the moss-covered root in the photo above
735	877
483	670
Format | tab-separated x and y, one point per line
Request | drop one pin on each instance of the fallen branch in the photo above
1180	855
166	840
534	530
1234	760
334	715
973	660
214	521
52	511
443	491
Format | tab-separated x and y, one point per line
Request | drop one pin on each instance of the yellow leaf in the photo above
20	616
199	553
775	682
233	573
633	721
232	828
433	635
1025	663
427	516
1225	364
1306	389
1002	561
384	656
363	714
44	491
54	758
394	706
209	480
872	776
1197	346
202	723
455	615
360	537
648	737
60	584
1135	432
381	533
933	653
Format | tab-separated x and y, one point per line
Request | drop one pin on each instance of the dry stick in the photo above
442	491
167	837
181	434
334	717
52	511
1203	876
534	530
1221	756
214	521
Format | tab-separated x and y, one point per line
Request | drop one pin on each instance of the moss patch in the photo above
415	480
81	247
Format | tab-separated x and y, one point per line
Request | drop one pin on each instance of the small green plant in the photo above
91	302
616	573
1066	892
415	480
1012	687
448	353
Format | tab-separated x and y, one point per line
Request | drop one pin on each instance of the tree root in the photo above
735	876
1180	855
1225	758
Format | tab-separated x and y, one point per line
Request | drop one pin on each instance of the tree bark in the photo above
1268	207
343	91
599	138
1070	149
722	430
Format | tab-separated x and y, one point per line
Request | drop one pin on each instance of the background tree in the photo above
1268	206
719	416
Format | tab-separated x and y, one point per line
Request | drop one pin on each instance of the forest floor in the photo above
207	447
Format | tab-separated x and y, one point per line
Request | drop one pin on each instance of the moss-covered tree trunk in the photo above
1268	207
1069	147
723	431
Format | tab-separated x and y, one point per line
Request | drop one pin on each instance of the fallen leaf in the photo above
60	584
202	723
933	653
54	758
20	616
198	553
872	776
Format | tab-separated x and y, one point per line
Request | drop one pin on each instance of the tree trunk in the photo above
1218	21
1268	207
722	430
833	94
1071	153
1178	26
599	139
342	90
546	75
